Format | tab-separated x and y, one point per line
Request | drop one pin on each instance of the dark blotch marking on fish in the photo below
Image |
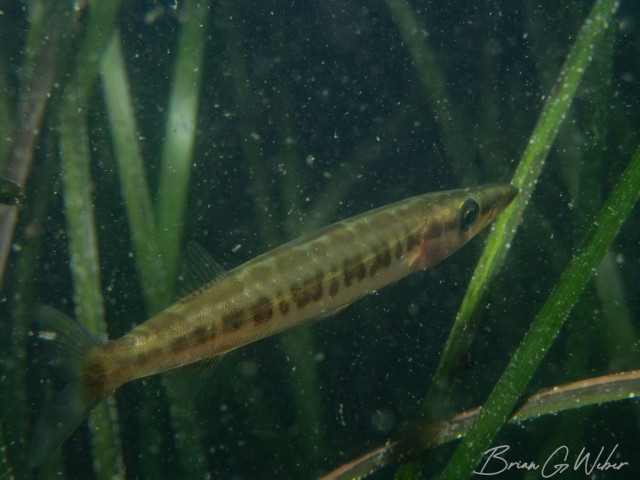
284	307
142	358
203	334
434	230
95	376
148	356
309	290
447	226
382	260
181	343
353	269
155	353
334	287
398	250
262	311
199	333
361	271
232	321
413	239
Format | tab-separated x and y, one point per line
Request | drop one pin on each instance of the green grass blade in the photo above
525	177
177	154
85	271
551	401
81	229
21	123
583	393
547	324
452	122
132	175
618	318
100	24
180	132
172	197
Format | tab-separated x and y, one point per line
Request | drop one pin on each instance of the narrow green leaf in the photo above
177	161
551	401
525	178
85	271
78	208
180	131
132	175
547	324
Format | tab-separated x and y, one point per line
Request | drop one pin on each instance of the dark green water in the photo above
307	113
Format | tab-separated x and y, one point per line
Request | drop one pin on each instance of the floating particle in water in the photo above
383	420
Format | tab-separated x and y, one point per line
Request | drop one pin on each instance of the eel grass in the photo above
156	222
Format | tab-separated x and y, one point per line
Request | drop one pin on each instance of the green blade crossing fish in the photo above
309	278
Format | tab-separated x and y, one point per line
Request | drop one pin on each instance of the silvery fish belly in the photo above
304	280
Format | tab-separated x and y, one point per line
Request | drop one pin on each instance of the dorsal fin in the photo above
200	270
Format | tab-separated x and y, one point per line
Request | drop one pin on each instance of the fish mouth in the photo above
499	196
493	198
511	193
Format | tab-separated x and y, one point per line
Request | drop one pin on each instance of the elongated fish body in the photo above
306	279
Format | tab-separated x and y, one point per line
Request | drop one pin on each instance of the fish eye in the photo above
468	214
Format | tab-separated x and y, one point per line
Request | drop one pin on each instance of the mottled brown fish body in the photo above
309	278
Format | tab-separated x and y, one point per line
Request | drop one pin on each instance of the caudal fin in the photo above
68	345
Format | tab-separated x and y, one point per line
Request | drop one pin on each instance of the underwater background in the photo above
136	127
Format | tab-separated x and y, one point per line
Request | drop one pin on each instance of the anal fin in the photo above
187	381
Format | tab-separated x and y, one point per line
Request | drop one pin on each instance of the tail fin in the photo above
68	344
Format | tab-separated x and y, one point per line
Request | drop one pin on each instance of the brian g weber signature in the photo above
495	462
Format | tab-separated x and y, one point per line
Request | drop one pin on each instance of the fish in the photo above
304	280
10	193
